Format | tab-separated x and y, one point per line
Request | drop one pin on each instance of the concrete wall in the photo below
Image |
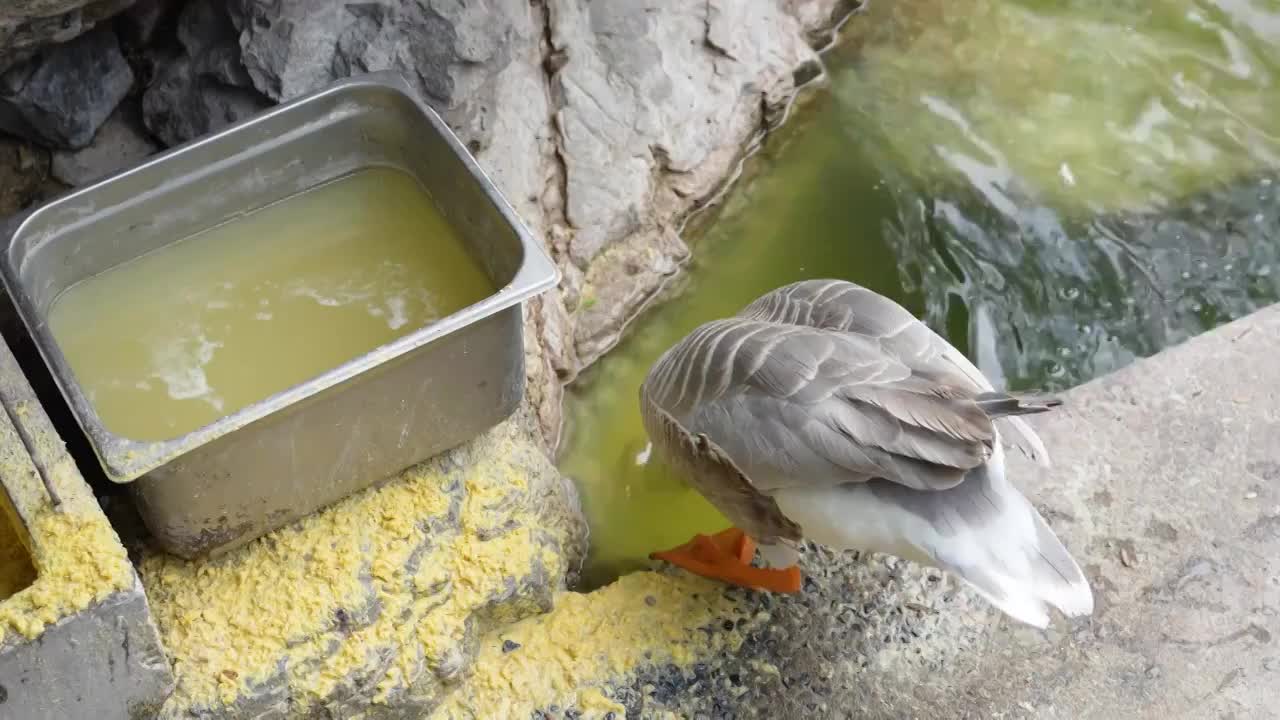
79	642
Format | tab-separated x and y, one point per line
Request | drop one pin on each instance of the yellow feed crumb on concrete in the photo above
78	560
378	587
76	555
587	640
595	703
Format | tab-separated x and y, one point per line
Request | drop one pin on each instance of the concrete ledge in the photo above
1165	486
79	641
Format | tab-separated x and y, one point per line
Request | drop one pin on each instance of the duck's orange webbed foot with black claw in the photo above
726	556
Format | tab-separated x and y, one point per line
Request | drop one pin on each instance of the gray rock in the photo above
660	97
478	64
656	103
205	87
820	18
28	25
451	51
61	96
628	273
137	25
24	178
120	143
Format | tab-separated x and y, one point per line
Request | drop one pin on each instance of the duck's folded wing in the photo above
846	307
795	405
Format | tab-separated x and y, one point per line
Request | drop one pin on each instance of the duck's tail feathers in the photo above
1054	581
1005	409
982	530
1014	560
1020	435
998	404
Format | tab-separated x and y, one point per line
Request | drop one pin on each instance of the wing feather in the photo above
846	307
805	405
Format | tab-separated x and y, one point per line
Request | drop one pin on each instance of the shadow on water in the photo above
1058	188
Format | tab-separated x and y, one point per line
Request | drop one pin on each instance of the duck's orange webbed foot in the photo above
726	556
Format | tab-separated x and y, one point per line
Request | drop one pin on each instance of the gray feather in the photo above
1002	404
992	537
846	307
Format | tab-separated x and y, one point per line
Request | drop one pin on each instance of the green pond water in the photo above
1057	187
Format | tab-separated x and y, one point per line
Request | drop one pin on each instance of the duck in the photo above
824	412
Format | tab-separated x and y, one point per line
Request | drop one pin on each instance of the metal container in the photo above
301	449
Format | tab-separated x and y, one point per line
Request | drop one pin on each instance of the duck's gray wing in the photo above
706	467
794	405
846	307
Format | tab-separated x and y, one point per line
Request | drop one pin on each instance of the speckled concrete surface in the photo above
1166	487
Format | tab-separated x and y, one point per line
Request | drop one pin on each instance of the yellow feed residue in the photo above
74	553
78	561
233	622
563	657
428	559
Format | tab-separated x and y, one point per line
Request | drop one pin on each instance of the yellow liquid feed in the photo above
176	339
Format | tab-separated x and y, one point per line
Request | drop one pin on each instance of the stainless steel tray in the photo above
279	459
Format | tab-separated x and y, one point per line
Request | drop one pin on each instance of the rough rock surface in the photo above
25	179
561	664
656	102
289	50
201	86
24	175
28	25
120	143
624	117
820	18
62	95
1166	488
477	63
137	26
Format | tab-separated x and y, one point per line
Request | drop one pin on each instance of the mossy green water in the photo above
1057	187
1082	105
